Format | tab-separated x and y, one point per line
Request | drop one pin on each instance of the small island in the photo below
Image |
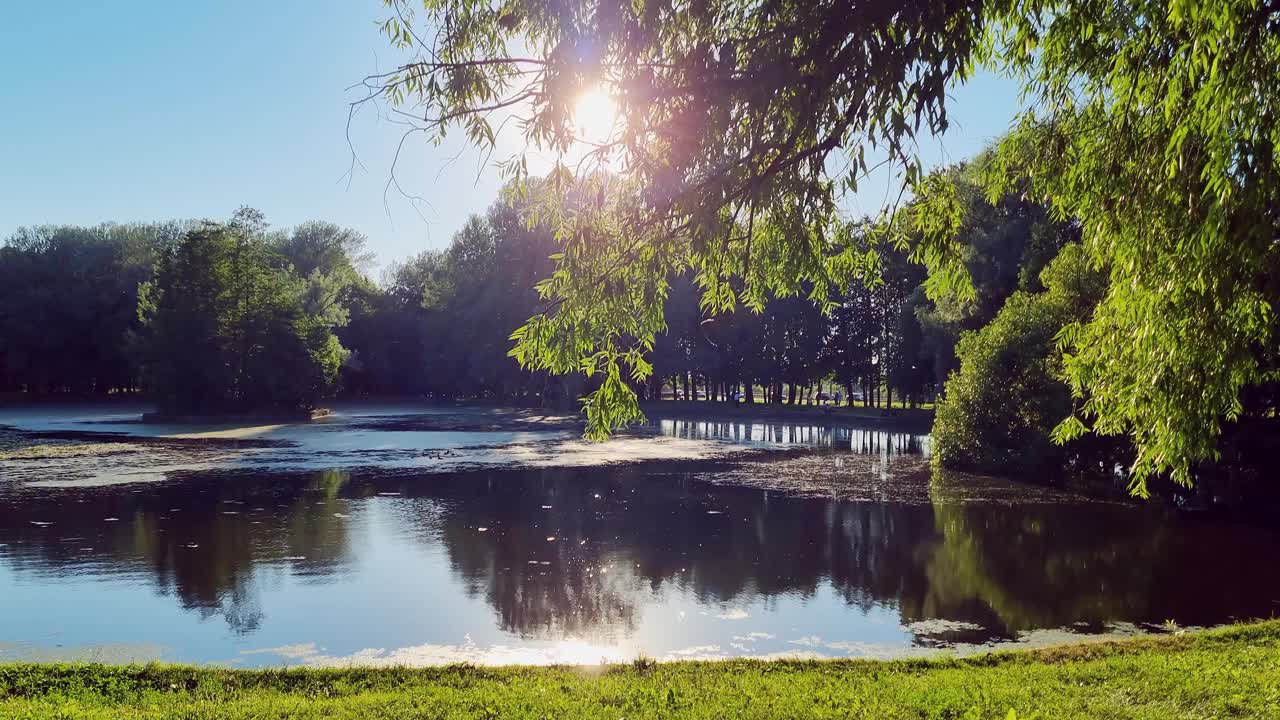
233	333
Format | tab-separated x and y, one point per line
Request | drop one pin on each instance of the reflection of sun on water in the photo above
566	652
577	652
595	117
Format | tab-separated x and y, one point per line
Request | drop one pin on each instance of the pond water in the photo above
235	548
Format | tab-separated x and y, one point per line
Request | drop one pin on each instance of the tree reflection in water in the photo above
861	441
201	537
626	538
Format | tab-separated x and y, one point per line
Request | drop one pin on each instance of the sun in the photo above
595	116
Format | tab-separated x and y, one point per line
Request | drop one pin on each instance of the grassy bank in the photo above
1224	673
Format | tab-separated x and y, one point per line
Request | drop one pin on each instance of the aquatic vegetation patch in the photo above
54	451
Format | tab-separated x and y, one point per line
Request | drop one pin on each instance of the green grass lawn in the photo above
1230	673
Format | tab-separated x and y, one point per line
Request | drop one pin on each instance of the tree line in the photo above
878	338
230	316
208	316
233	315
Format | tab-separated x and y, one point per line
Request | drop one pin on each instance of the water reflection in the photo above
859	440
199	544
603	556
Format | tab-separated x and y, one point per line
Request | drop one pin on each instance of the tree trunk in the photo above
749	394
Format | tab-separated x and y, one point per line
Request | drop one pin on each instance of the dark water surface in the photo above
262	566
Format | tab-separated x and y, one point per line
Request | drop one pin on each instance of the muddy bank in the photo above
472	419
76	448
167	418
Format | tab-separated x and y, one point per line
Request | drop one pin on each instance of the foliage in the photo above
275	312
440	323
1218	673
330	260
323	247
1003	403
1152	124
68	319
868	340
734	112
1003	245
226	329
884	332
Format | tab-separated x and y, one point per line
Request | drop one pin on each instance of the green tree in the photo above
226	329
1153	123
909	365
441	322
68	306
733	111
1003	243
324	247
332	261
1003	403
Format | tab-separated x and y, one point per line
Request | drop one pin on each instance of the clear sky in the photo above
148	110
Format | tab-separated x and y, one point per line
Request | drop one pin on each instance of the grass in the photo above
1229	673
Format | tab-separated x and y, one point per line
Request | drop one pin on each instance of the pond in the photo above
405	536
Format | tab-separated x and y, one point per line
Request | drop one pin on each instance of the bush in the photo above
1004	401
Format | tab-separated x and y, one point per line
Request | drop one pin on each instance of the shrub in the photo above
1004	401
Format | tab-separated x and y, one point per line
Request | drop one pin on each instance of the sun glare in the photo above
595	116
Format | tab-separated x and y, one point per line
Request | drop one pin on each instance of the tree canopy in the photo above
1155	126
734	111
1151	124
225	327
68	310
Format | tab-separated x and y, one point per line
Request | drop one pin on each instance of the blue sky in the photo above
146	110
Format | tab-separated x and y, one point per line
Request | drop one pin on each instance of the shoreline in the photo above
918	421
1225	672
245	418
